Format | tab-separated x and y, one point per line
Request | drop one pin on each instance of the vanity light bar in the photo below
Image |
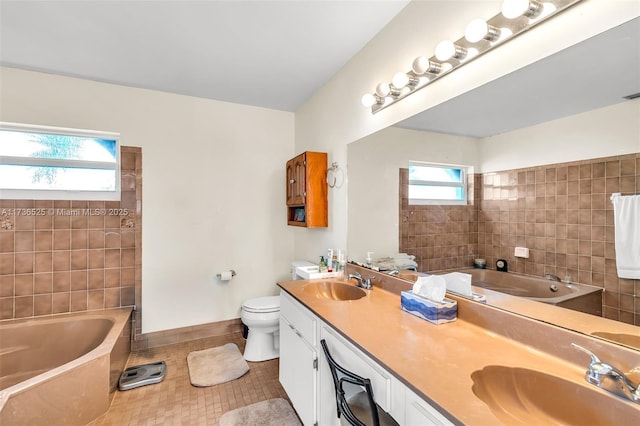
516	17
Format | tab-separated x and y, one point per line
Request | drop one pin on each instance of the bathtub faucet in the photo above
609	378
552	277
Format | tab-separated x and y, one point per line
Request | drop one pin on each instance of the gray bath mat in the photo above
272	412
213	366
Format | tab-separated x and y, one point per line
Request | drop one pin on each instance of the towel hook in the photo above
332	173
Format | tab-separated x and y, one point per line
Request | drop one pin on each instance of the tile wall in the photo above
441	237
67	259
561	212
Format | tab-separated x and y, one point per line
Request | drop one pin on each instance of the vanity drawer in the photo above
299	317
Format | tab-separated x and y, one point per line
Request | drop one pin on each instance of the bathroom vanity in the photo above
305	375
464	372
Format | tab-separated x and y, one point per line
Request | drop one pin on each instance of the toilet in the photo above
262	317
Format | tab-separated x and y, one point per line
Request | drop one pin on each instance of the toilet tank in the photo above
298	264
303	270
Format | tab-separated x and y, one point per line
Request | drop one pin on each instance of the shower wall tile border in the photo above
54	263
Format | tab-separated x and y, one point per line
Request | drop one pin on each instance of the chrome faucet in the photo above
552	277
361	282
609	378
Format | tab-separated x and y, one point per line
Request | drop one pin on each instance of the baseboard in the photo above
185	334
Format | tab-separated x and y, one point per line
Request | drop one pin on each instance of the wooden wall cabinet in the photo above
307	190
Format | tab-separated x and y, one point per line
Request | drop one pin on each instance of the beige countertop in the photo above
436	361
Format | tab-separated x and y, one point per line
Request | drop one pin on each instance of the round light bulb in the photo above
512	9
400	80
369	100
476	30
445	50
383	89
420	65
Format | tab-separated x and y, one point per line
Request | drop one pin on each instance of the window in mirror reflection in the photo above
437	184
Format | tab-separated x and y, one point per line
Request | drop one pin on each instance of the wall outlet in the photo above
521	252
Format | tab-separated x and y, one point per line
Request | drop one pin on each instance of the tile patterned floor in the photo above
175	402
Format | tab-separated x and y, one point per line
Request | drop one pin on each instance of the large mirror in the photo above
563	112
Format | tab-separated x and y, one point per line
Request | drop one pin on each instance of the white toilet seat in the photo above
262	304
262	317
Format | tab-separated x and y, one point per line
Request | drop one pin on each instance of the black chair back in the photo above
340	377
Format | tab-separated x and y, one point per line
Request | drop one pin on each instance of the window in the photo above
48	163
437	184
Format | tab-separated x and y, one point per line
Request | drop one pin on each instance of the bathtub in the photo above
579	297
62	369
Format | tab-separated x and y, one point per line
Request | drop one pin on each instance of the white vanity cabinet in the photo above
354	360
299	358
418	412
305	374
390	394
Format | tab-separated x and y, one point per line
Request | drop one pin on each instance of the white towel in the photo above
626	214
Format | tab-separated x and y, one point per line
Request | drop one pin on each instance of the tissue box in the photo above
435	312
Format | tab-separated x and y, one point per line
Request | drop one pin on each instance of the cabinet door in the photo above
296	181
290	180
300	186
419	413
298	362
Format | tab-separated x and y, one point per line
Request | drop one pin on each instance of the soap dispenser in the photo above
323	264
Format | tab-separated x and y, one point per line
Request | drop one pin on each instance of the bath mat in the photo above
213	366
272	412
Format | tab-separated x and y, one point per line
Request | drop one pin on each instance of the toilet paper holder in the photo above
233	274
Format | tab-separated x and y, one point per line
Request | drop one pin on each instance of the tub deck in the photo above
62	369
579	297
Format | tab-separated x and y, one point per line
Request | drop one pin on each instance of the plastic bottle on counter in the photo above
369	259
340	262
322	265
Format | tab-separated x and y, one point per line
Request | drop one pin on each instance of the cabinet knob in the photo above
292	181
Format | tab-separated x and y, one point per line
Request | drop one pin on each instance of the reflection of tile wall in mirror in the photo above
561	212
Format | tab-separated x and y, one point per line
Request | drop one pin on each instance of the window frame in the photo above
465	171
62	194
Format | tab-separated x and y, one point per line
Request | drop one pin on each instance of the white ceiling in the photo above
276	54
272	54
